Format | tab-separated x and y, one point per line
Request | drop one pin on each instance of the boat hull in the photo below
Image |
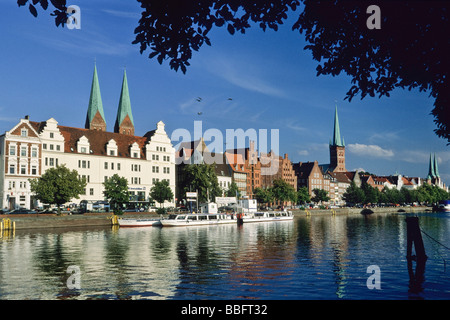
130	223
268	217
185	220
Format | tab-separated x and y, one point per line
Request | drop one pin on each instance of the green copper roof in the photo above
436	170
124	104
95	100
430	169
337	141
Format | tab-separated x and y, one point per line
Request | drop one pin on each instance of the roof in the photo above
97	139
95	100
337	141
124	108
303	169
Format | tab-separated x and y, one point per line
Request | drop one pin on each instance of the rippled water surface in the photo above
308	258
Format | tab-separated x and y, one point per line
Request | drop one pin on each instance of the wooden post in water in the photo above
414	236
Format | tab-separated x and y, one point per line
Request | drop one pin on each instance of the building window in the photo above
12	150
23	151
118	166
33	170
34	152
23	169
112	152
58	147
24	132
44	146
135	155
52	135
91	191
12	169
106	165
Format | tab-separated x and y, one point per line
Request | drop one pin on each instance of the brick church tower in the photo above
337	148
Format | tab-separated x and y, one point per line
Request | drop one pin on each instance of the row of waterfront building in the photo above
30	148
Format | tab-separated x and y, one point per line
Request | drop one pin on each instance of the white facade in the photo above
20	150
95	155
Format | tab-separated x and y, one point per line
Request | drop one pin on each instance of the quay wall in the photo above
49	221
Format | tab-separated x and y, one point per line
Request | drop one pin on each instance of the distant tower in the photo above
124	121
95	118
433	172
337	148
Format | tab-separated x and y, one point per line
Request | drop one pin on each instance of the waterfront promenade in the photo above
49	221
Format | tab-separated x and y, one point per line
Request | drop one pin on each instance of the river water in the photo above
318	257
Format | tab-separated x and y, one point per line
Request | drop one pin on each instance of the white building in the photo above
30	148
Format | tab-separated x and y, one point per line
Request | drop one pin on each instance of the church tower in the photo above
124	121
337	148
95	118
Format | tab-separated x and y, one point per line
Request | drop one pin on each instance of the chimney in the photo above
27	117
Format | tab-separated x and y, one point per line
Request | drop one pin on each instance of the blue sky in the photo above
47	72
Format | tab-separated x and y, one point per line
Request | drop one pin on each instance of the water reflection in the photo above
318	257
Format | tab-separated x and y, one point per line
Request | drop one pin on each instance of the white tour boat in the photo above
139	222
197	219
268	216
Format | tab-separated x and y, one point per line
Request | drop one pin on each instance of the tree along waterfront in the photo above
366	194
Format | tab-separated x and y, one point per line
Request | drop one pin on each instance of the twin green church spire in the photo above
95	118
433	171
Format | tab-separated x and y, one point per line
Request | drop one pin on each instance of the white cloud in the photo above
370	150
244	76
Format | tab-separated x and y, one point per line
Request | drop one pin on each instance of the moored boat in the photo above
444	206
139	222
193	219
268	216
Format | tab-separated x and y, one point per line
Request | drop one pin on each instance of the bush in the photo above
161	211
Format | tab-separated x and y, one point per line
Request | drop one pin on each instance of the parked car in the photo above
21	211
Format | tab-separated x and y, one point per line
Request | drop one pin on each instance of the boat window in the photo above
172	216
259	214
202	218
213	217
192	217
181	217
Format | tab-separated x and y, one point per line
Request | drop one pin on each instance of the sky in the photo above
261	81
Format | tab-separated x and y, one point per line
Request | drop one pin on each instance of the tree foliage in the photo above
263	195
201	178
116	191
57	186
233	191
303	195
320	195
367	194
161	192
282	191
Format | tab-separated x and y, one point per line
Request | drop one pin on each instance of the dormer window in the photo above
83	145
24	132
111	148
135	151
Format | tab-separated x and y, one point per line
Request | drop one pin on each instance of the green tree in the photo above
161	192
320	195
353	194
370	193
233	191
263	196
282	191
116	191
201	178
58	186
303	195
